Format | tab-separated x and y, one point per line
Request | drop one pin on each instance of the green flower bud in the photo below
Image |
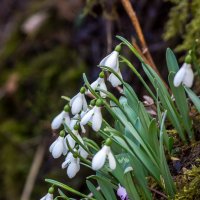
76	127
93	102
108	142
118	48
102	75
82	90
99	102
188	59
62	133
67	108
51	190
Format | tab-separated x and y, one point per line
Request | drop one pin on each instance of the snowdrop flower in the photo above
114	80
78	102
57	147
71	142
75	120
99	83
58	120
49	195
185	75
94	116
100	158
72	164
121	192
112	60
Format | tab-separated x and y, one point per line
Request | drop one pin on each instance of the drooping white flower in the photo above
71	141
58	120
114	80
185	76
78	102
94	116
48	196
75	120
112	61
99	83
72	164
57	147
100	158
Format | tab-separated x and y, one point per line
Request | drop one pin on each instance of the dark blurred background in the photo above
45	46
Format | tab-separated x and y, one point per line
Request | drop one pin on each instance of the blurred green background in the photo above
45	46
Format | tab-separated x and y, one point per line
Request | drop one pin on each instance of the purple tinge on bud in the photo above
121	192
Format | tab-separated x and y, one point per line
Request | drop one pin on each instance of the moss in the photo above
190	185
184	24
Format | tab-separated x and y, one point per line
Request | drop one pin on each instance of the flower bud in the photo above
62	133
82	90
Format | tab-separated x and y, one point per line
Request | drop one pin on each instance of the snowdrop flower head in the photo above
99	83
112	60
121	192
114	79
72	163
78	102
94	116
99	159
49	195
57	147
58	120
185	74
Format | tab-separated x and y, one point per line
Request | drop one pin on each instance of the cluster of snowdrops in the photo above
78	113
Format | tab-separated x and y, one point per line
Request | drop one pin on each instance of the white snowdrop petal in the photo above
112	161
180	75
111	60
95	84
71	141
57	121
52	146
49	197
77	104
97	119
82	152
73	121
83	129
67	118
65	164
189	77
72	100
84	103
99	159
58	148
87	117
103	87
114	80
72	169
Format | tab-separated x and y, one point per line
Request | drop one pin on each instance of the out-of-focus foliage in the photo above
184	25
42	66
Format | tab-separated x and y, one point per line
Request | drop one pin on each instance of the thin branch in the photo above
133	17
158	192
30	181
145	51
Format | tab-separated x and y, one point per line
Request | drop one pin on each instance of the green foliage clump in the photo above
191	189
